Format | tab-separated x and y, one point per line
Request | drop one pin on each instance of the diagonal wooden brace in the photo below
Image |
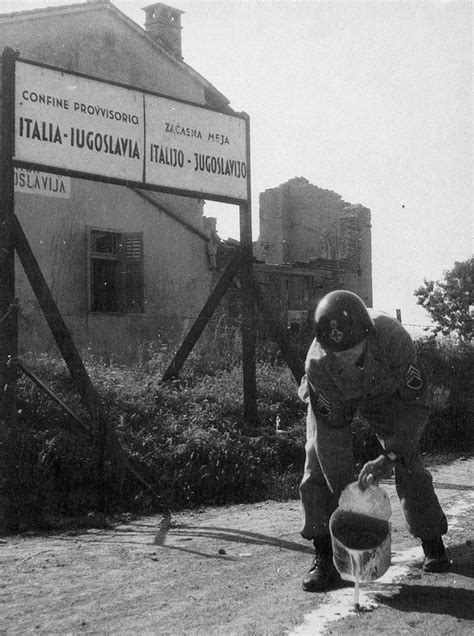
201	321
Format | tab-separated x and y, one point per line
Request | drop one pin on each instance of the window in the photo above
115	272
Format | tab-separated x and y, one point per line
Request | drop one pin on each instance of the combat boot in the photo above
322	575
436	559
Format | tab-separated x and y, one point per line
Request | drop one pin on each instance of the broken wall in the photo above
305	226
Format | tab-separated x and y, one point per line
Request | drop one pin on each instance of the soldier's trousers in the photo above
330	467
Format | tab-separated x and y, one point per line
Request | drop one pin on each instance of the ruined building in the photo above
311	241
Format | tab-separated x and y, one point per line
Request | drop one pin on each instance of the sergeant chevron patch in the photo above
413	378
323	406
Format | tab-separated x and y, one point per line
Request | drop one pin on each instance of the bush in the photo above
195	449
187	440
450	368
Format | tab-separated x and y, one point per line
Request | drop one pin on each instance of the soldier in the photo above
364	361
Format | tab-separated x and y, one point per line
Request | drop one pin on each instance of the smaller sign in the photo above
43	183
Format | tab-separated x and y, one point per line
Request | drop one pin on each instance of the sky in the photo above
372	100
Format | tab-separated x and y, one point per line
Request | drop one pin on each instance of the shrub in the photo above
187	439
450	368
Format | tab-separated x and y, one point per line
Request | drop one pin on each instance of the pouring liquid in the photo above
356	587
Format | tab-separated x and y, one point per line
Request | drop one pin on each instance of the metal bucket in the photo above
361	545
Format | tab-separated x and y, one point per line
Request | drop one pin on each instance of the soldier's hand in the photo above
372	472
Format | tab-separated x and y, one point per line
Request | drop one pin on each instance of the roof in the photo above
215	97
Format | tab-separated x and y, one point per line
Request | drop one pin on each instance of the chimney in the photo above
163	24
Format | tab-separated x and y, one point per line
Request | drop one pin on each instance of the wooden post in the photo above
8	304
249	324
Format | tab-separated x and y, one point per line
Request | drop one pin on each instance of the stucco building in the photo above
124	265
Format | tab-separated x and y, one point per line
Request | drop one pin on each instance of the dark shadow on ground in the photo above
189	532
456	602
462	557
169	535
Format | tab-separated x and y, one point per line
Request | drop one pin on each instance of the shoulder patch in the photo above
413	378
323	406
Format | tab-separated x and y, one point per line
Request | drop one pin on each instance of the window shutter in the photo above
133	283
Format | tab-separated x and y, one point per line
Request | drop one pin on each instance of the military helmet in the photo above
342	320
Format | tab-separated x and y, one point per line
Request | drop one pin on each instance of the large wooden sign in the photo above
68	124
81	126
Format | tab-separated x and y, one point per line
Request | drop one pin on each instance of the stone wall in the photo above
307	226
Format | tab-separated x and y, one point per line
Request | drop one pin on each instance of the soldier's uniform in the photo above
387	385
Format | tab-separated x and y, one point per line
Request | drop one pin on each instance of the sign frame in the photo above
13	240
143	185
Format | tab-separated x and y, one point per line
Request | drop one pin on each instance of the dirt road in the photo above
231	571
